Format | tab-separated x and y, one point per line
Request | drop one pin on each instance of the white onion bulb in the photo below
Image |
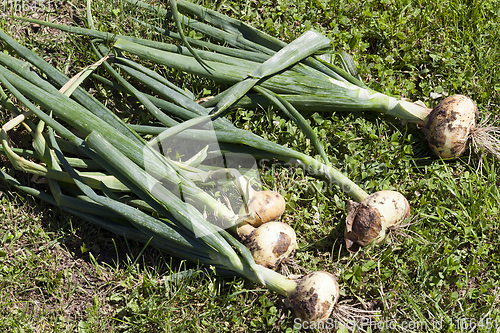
264	206
369	220
315	298
449	125
270	243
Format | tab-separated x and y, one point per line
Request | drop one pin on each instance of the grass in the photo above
60	274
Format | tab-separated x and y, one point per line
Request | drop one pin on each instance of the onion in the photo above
315	296
450	124
453	124
263	206
369	220
270	243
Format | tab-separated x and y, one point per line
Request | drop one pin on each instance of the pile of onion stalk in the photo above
312	84
102	169
99	168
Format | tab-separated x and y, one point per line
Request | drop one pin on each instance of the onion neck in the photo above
331	174
409	111
275	281
371	99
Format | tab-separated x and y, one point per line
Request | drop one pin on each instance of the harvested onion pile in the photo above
291	77
106	173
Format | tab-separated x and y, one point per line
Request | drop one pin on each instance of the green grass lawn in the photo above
59	273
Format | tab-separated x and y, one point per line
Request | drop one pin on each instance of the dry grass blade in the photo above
75	81
16	121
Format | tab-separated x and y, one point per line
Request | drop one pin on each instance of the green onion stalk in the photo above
136	168
226	133
313	84
165	220
283	72
344	93
289	76
321	87
364	226
450	127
